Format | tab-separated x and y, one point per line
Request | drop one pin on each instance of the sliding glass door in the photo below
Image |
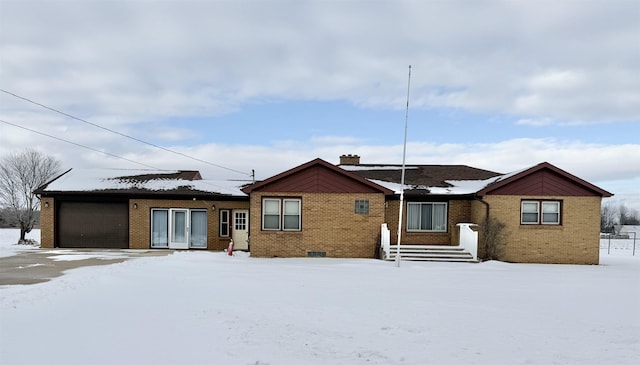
178	228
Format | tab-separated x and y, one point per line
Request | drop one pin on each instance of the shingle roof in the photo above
454	179
423	175
149	182
188	175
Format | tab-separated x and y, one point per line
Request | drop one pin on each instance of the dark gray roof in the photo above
421	175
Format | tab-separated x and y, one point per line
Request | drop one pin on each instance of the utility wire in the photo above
121	134
205	182
78	144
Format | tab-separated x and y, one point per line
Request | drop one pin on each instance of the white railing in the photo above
469	239
385	239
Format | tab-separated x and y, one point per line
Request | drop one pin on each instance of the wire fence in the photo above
615	245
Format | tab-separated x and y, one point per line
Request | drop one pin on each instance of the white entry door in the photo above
179	229
240	232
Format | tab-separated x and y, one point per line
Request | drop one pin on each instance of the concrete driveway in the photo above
37	266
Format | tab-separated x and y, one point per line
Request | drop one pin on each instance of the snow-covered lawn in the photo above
200	307
620	247
9	239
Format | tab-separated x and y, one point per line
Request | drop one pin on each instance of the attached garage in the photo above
82	224
141	209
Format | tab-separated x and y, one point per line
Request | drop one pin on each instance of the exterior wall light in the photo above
135	205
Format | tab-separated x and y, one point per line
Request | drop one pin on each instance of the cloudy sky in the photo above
267	85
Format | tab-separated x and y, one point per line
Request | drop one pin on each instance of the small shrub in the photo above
28	241
492	239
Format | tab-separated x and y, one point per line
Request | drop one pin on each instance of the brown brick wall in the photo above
576	241
329	224
458	211
391	218
140	219
47	239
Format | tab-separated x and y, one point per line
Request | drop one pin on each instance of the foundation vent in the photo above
316	254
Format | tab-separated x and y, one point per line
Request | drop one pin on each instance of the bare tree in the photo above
20	174
613	213
628	215
608	217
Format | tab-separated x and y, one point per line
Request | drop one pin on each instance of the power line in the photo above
77	144
205	182
122	134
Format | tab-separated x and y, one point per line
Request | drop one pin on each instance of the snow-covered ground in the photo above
9	239
620	247
200	307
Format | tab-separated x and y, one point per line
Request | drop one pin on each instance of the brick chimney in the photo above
349	160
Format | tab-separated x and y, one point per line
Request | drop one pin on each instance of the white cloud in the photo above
335	140
558	80
568	61
538	122
626	192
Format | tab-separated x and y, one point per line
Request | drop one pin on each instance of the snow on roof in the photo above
446	187
458	187
86	180
375	167
506	176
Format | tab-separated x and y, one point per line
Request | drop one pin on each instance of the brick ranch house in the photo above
322	209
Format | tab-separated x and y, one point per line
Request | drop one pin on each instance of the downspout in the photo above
486	214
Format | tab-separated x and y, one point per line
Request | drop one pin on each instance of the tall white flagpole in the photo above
404	156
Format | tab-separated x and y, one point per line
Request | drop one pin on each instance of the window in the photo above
550	212
198	234
530	212
362	207
271	214
178	228
240	221
427	217
159	228
540	212
291	219
224	223
280	214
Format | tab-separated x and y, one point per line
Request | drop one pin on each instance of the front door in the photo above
179	229
240	232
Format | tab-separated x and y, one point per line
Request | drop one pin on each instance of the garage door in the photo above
93	225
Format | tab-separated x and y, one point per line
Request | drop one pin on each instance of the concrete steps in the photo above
429	253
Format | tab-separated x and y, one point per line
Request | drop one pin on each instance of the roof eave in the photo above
318	161
41	189
544	165
147	194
